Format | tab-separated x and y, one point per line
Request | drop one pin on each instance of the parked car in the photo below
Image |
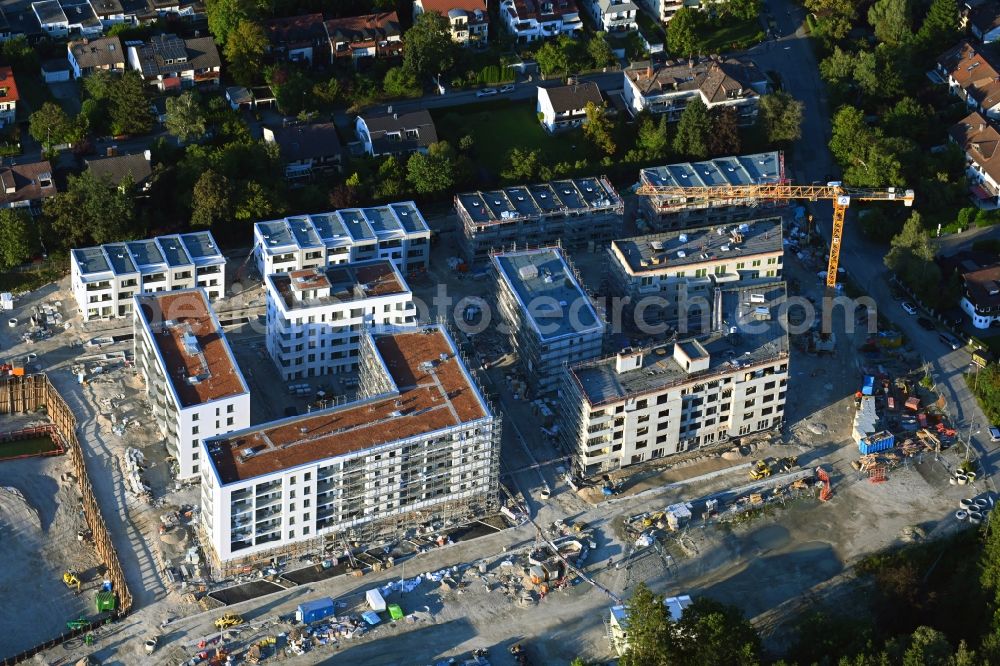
487	92
994	434
908	307
507	88
950	340
926	324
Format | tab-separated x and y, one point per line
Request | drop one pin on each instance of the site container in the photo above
869	386
375	601
315	610
880	441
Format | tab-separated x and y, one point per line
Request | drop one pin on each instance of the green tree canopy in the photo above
599	129
650	634
552	58
390	182
653	138
911	256
433	172
185	118
225	15
599	50
49	125
130	112
835	18
892	21
244	51
429	50
781	117
211	200
862	151
744	10
682	32
724	138
91	210
15	237
940	25
401	82
522	165
693	130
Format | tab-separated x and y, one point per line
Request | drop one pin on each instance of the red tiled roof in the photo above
7	82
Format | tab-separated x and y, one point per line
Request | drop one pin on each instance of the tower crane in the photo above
679	195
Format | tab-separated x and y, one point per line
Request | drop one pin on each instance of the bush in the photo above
987	218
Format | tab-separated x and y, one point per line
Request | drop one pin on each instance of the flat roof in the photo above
146	253
734	170
548	292
173	250
121	261
346	282
91	260
527	201
191	346
743	340
659	252
201	248
150	253
432	391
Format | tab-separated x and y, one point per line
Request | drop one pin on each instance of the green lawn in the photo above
24	447
498	127
733	36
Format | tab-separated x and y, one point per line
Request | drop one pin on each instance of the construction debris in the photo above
131	465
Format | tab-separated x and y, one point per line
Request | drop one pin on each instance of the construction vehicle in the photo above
228	620
72	580
760	470
834	191
786	464
79	623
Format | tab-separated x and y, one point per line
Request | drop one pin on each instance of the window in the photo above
662	399
229	421
740	265
305	531
194	430
642	432
720	270
291	495
195	416
230	409
701	272
194	469
291	520
756	263
305	503
291	534
642	404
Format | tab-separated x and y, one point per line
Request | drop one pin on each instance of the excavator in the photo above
760	470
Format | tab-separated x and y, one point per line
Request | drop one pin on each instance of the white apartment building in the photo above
421	439
645	404
551	320
315	315
396	232
529	20
613	15
192	380
670	277
468	20
105	278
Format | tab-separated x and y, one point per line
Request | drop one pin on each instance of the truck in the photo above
315	610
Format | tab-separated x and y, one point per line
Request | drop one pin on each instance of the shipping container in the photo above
315	610
880	441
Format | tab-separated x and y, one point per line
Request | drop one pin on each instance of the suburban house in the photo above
469	19
298	38
116	168
26	185
983	20
981	296
61	18
371	36
529	20
664	10
971	75
90	55
306	149
396	133
612	15
171	63
668	87
981	143
112	12
8	96
564	107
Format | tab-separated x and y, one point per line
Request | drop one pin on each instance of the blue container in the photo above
880	441
315	610
869	386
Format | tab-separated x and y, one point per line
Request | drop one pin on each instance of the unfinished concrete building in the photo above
551	320
577	213
646	404
420	444
658	213
669	278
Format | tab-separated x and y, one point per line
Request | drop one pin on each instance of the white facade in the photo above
315	316
613	15
468	20
396	232
192	381
388	457
644	90
553	18
105	278
571	101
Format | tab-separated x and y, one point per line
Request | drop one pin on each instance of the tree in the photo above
15	239
653	139
185	118
909	118
599	50
650	634
834	18
891	20
744	10
682	32
911	256
256	202
225	15
244	50
781	117
598	128
91	210
724	138
328	93
129	109
877	73
391	179
523	165
211	200
928	647
552	58
99	84
291	88
710	633
344	195
401	82
429	49
940	25
433	172
838	67
49	125
693	130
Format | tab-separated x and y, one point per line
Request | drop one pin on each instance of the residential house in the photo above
61	18
89	55
298	38
983	20
189	9
306	149
116	168
718	82
981	296
396	133
613	15
469	19
971	74
563	107
371	36
8	96
171	63
26	185
529	20
981	143
113	12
